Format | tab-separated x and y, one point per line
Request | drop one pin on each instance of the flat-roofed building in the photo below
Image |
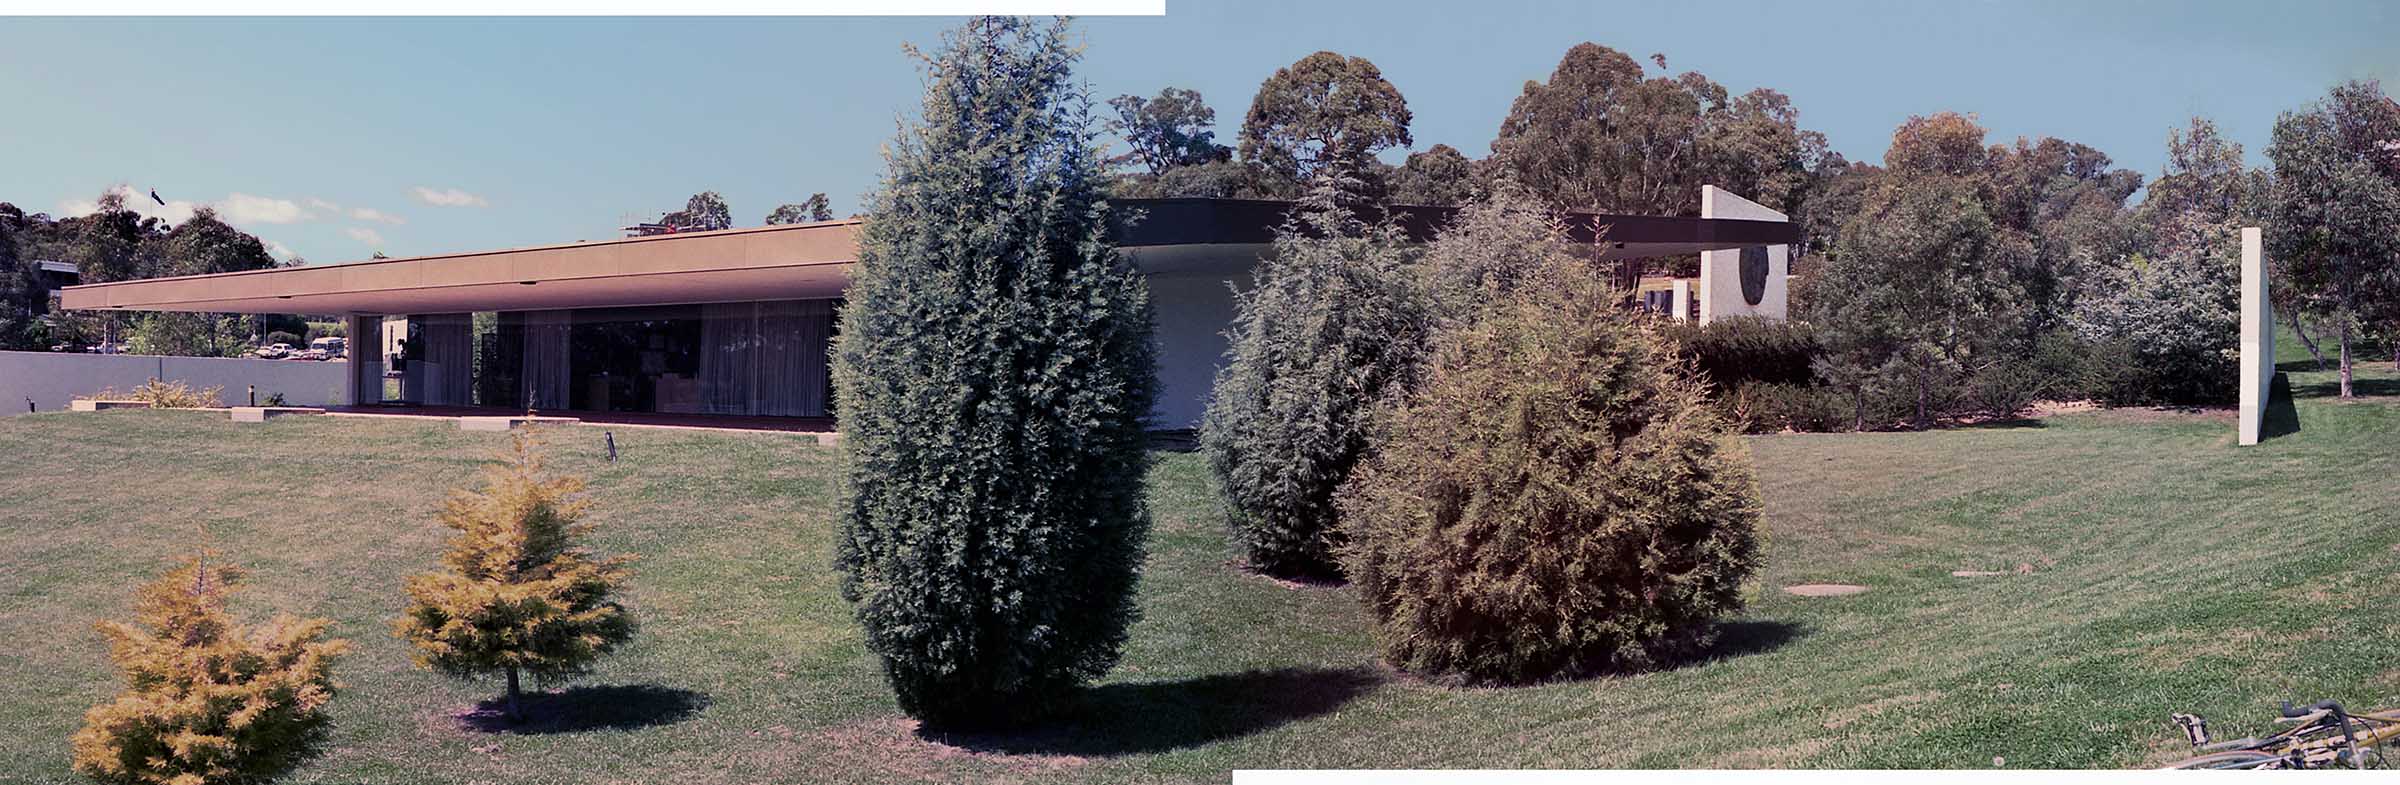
738	322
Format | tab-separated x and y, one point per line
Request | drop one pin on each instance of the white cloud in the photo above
242	208
378	216
174	211
359	213
279	250
364	235
449	197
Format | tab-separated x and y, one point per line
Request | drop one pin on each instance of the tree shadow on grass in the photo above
579	709
1740	639
2007	424
2330	386
1148	717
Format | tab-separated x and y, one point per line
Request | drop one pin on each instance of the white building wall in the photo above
1721	271
1190	313
52	379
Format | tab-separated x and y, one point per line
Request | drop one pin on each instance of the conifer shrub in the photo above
1333	327
208	699
1556	498
519	594
1492	247
994	371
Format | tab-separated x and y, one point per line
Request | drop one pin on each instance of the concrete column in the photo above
1681	308
2258	339
366	358
1721	292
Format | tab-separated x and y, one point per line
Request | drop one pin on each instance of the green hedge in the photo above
1747	350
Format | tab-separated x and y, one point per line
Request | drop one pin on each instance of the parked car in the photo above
309	354
331	346
274	351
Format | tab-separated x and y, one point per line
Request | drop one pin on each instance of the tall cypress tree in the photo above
1334	324
994	370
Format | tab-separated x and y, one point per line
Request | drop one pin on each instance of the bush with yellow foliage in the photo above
208	700
519	595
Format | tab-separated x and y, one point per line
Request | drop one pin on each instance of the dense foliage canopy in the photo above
1328	109
114	243
2334	209
1600	136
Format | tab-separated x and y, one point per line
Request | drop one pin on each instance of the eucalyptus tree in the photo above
705	211
1440	175
1174	129
1326	110
2334	231
1600	135
811	210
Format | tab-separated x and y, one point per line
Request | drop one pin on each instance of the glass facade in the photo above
755	358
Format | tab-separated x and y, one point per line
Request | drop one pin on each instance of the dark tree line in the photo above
706	211
1600	135
114	243
1959	273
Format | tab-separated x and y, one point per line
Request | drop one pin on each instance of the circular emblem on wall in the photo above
1754	274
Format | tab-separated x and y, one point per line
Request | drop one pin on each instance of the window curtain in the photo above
548	358
728	357
792	365
447	346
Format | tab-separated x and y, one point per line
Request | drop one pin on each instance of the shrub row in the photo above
212	700
1731	353
1519	487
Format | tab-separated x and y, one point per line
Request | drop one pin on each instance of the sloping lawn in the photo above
2163	570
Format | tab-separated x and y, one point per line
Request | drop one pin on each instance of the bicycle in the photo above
2322	736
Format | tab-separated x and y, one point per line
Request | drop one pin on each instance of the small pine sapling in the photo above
518	595
208	699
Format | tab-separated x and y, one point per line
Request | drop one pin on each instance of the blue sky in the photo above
337	138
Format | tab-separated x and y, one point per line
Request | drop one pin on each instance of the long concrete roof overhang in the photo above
799	261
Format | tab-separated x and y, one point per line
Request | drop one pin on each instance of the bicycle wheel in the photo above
2231	759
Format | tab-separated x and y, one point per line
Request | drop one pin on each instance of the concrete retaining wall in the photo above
53	379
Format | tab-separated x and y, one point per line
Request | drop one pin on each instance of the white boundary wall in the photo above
1721	271
2258	338
53	379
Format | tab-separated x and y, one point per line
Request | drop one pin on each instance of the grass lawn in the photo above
2169	571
